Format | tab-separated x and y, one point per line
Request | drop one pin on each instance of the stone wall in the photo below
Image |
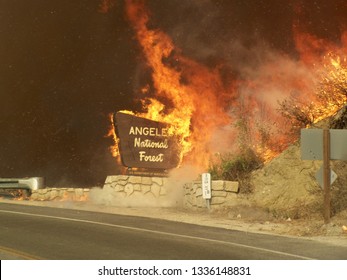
127	186
76	194
123	190
224	194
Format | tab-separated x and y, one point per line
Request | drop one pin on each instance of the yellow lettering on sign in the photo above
138	143
148	131
155	158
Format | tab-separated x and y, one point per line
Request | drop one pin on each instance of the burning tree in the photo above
235	114
330	97
333	88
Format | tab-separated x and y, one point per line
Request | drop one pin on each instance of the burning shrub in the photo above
330	97
340	119
300	114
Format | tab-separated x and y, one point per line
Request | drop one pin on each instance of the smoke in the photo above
66	66
238	41
265	75
174	192
224	140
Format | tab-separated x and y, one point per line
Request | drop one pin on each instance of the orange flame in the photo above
195	110
202	104
327	61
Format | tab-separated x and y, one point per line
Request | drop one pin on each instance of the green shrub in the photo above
236	168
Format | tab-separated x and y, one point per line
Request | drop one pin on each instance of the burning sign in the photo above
227	106
144	143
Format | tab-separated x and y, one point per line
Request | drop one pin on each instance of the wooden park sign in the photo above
144	143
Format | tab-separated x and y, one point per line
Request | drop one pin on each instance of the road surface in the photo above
35	232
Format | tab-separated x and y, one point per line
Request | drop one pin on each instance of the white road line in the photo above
160	232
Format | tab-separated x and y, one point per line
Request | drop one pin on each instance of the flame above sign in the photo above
213	110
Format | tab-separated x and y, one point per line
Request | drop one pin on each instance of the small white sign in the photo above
206	185
319	176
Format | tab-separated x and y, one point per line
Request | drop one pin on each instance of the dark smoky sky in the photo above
64	66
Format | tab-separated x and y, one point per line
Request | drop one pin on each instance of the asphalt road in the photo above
34	232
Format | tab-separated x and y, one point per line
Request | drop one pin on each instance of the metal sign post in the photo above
206	188
326	174
324	144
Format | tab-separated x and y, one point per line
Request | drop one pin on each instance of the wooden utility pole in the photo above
326	174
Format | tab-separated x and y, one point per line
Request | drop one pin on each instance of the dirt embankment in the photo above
286	189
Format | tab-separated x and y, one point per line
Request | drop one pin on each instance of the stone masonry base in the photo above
149	191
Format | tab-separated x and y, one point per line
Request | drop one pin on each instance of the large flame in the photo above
210	109
327	63
188	89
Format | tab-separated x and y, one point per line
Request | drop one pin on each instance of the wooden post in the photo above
326	174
